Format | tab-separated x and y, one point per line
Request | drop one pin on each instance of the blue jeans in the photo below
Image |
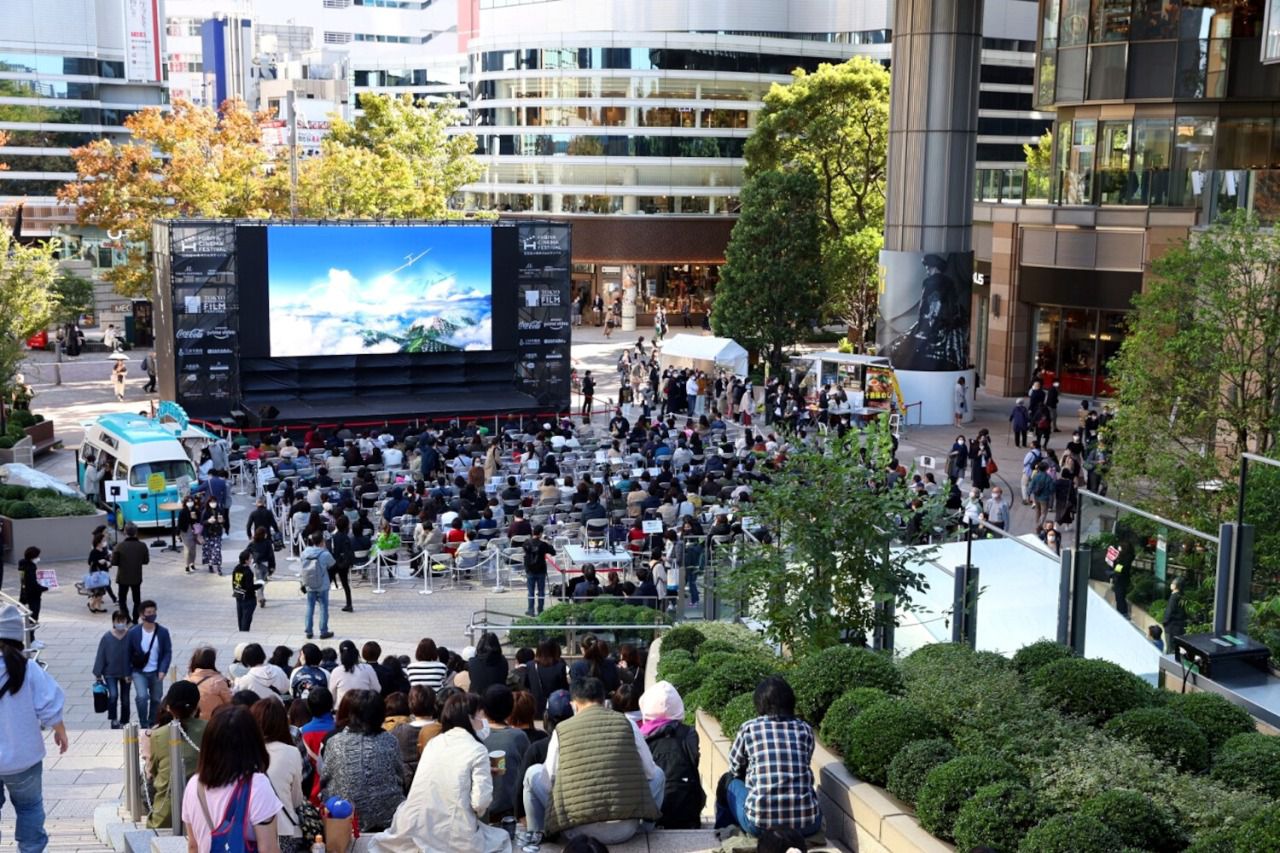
117	692
321	598
150	693
536	583
27	795
733	810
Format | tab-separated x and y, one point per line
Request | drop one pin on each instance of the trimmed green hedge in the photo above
949	786
879	732
736	712
1094	690
1216	717
1136	819
23	502
685	637
1028	659
822	678
1069	833
997	816
913	764
601	611
734	676
838	721
1165	734
1250	761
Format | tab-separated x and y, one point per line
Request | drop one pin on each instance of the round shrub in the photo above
1095	690
684	637
7	442
839	718
926	660
879	732
1136	819
1250	761
21	509
1028	659
736	713
1260	832
996	816
1222	840
1165	734
823	677
1070	833
1216	717
718	645
739	675
913	763
679	667
949	786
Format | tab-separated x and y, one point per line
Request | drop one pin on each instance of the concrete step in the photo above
66	835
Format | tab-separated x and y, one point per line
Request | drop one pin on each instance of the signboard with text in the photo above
142	40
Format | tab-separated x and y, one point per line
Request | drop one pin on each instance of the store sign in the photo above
142	40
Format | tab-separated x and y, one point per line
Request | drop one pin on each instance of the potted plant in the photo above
59	525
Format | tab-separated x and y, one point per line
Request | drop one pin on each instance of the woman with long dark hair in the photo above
362	764
231	785
547	673
29	699
99	561
30	590
489	666
214	527
596	663
284	770
344	557
351	673
188	525
445	808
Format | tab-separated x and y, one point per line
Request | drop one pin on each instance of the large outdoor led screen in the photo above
389	289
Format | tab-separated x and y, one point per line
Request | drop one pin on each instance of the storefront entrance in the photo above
1075	346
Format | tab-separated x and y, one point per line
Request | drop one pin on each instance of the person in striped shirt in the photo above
426	669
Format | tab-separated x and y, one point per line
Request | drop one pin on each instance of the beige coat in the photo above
442	813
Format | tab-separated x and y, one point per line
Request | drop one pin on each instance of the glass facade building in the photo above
1167	117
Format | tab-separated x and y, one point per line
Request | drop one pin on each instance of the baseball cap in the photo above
558	706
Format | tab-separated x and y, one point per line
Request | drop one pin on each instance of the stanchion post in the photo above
177	775
377	572
426	574
132	777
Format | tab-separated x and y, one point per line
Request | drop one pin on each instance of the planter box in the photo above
57	538
858	815
41	435
22	453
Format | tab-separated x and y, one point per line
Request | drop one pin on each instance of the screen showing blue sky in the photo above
341	290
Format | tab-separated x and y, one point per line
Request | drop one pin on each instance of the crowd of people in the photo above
450	751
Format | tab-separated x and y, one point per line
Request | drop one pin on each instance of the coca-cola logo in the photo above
529	325
189	334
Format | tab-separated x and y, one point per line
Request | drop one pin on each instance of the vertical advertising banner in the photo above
543	316
142	40
923	320
202	273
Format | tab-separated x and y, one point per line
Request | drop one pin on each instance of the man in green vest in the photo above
598	779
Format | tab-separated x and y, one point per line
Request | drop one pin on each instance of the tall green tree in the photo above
397	160
1198	376
72	296
834	123
27	273
771	287
831	558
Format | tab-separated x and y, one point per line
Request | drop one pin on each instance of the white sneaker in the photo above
37	645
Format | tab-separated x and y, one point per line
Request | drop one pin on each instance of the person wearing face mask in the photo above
188	524
30	590
111	668
973	508
150	653
214	524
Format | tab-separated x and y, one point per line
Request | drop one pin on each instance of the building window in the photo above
1152	142
1078	188
1115	138
336	38
1110	20
1107	72
1074	25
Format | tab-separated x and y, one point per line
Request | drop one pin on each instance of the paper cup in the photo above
498	762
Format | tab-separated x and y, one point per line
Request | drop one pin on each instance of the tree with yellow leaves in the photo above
187	161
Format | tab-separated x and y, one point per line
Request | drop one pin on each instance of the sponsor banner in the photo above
142	40
543	309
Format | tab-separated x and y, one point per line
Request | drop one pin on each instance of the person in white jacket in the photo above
265	679
351	673
443	811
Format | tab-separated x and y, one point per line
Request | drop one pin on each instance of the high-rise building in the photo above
630	119
71	71
1165	121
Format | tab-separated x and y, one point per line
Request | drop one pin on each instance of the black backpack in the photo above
684	798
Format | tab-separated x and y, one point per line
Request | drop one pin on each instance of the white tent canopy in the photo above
704	352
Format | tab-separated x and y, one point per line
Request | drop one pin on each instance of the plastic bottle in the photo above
318	847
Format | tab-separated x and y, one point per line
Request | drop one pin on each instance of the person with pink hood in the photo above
674	746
